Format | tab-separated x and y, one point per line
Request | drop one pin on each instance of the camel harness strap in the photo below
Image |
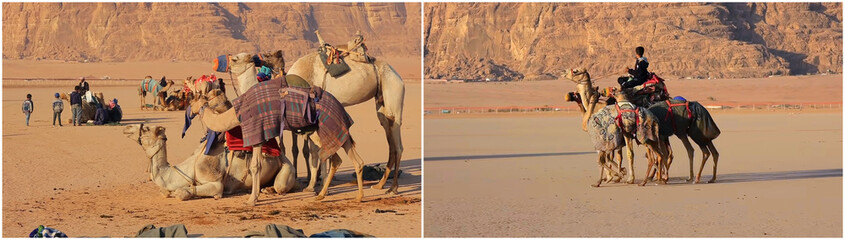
671	115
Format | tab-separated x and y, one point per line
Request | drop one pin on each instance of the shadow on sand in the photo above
475	157
774	176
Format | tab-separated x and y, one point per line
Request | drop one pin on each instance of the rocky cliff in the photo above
115	32
539	40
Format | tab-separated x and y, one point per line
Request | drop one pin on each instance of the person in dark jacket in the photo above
639	74
115	113
76	106
102	115
83	85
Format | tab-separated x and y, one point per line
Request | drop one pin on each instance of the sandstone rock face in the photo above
721	40
115	32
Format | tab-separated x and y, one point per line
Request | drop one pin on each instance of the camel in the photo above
229	119
88	109
683	119
204	175
177	100
623	121
159	92
363	82
686	120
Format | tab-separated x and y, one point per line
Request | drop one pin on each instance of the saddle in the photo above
334	57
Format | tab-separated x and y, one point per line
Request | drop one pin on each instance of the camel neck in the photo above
159	160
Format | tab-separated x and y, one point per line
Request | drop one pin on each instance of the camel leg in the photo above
295	150
715	153
648	170
630	152
334	162
313	165
306	154
601	168
705	154
349	147
691	153
210	189
255	170
394	140
142	95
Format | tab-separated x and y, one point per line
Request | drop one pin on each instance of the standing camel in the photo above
686	120
281	108
363	82
204	174
149	85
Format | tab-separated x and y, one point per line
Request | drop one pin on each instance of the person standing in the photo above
28	107
76	106
58	107
83	85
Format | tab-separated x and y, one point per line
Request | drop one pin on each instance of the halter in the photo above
619	112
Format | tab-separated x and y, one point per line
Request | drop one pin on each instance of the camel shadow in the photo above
521	155
344	182
144	120
775	176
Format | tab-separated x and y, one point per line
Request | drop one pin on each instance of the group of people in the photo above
106	112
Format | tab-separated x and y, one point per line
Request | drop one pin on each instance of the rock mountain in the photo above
115	32
720	40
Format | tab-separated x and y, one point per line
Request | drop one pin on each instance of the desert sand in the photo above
89	181
529	174
779	175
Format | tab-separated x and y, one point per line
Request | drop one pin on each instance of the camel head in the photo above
623	95
577	75
147	136
275	61
243	67
215	99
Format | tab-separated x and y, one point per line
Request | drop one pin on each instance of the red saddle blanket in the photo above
234	139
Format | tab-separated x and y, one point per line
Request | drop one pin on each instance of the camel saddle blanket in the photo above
263	114
150	85
332	120
603	131
689	116
234	140
259	110
703	125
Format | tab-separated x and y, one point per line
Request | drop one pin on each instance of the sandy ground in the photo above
792	89
89	181
780	174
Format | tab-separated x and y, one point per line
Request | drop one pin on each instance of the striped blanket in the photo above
150	85
263	114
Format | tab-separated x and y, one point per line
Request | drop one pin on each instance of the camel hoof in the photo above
320	197
711	181
689	180
630	181
251	201
696	181
218	197
359	199
643	184
308	189
378	186
596	185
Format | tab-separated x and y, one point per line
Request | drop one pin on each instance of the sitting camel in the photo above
269	107
88	109
204	174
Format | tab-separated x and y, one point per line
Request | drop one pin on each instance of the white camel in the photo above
204	175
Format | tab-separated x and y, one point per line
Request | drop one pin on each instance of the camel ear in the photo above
278	53
159	131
